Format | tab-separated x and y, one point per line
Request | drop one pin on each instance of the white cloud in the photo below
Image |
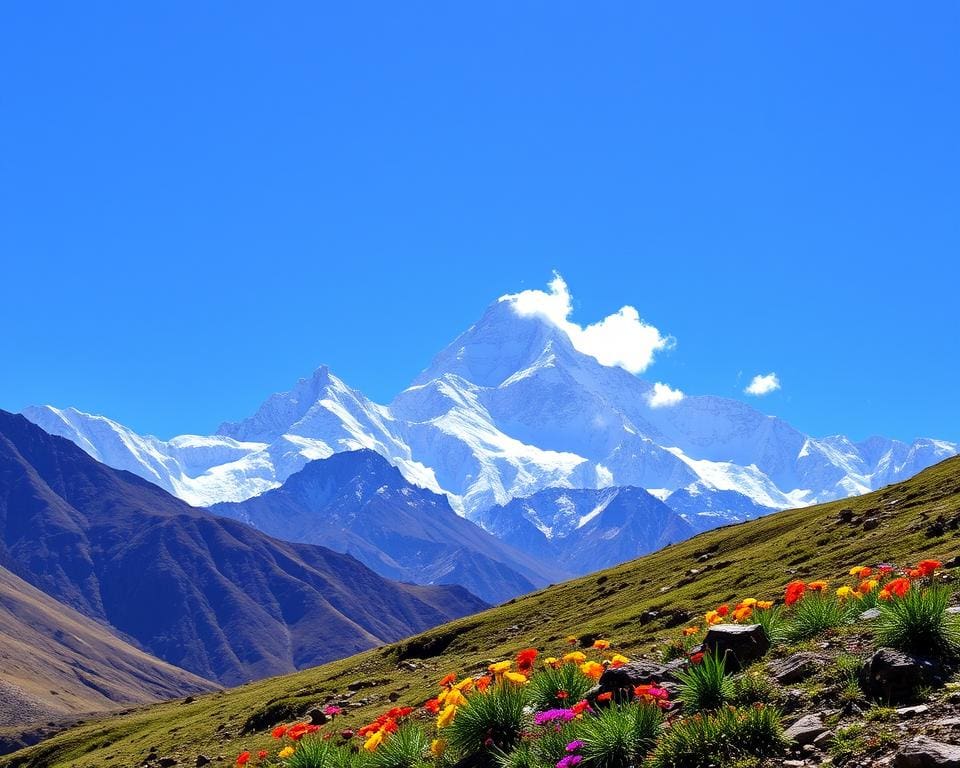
621	339
763	385
663	395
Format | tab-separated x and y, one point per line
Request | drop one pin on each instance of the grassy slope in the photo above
752	559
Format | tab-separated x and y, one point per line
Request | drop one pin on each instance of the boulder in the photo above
806	730
924	752
741	644
620	680
794	668
893	676
870	614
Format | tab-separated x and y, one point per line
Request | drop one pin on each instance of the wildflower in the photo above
580	707
898	587
845	592
500	667
438	747
884	568
448	680
861	571
723	610
574	657
278	732
455	699
482	683
794	592
696	658
464	685
884	594
515	677
561	695
375	740
618	660
867	586
446	716
742	613
712	617
243	758
570	761
571	640
927	567
432	706
552	661
332	711
690	631
298	730
764	604
262	754
525	660
652	694
605	696
592	669
817	586
601	645
552	715
574	745
286	752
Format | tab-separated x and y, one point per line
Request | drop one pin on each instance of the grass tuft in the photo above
705	686
919	623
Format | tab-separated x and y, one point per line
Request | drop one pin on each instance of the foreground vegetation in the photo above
645	604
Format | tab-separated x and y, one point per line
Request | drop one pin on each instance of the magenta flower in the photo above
574	745
569	761
563	715
332	711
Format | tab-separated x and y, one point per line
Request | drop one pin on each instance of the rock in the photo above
824	740
203	760
393	696
806	730
953	562
870	614
408	665
317	716
954	609
357	685
188	700
912	711
647	616
893	676
167	762
740	644
845	515
620	680
794	668
870	523
794	763
923	752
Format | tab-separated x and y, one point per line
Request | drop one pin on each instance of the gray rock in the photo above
870	614
924	752
912	711
893	676
806	730
741	644
824	740
794	668
203	760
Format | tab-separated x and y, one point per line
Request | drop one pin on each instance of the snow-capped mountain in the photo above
509	408
585	530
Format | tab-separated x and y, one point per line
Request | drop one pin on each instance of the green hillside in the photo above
636	605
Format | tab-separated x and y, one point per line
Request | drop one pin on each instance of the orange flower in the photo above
448	680
592	669
262	754
571	640
525	660
618	660
794	592
723	610
867	586
743	613
712	617
482	683
298	730
861	571
817	586
606	696
243	758
764	604
580	707
898	587
278	732
601	645
432	706
574	657
690	631
927	567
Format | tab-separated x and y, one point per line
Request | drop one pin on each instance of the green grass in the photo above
753	559
918	623
705	685
619	737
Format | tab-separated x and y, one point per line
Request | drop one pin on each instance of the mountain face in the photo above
508	409
357	502
210	595
705	508
54	662
586	530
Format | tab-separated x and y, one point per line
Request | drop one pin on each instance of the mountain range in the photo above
210	595
508	409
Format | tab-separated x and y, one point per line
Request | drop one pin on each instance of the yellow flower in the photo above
574	657
446	716
454	698
438	747
749	602
868	585
571	639
464	685
764	604
601	645
742	613
712	617
844	592
551	661
592	669
285	752
500	667
515	677
619	659
375	740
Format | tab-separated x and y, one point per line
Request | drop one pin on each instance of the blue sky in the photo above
203	201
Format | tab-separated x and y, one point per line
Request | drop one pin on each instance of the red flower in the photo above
723	610
448	681
298	730
243	758
562	695
606	696
482	683
580	707
525	660
279	731
696	658
432	706
262	754
927	567
794	592
397	712
898	587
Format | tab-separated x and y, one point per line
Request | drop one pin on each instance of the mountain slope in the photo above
356	502
913	519
208	594
587	530
55	661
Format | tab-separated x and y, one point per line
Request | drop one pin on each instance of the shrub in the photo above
918	623
816	613
314	752
544	687
407	748
619	736
730	734
771	619
705	685
754	687
524	755
491	720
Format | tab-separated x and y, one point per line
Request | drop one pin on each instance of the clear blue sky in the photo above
200	202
